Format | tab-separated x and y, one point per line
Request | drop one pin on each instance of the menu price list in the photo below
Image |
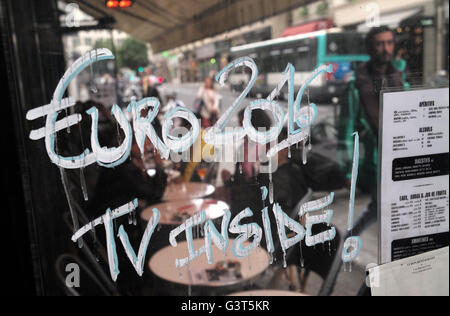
419	211
419	167
407	247
414	172
426	136
427	110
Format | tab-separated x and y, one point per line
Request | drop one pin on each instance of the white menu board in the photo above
414	179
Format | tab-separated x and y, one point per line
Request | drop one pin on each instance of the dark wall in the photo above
32	62
14	217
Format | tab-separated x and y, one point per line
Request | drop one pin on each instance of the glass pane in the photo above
144	132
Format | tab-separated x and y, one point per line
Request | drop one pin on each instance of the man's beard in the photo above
384	59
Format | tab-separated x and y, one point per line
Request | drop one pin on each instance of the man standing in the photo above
149	82
360	113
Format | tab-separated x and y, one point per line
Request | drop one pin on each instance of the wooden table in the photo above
162	264
187	191
176	212
268	293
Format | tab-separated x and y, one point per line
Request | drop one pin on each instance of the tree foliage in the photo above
131	54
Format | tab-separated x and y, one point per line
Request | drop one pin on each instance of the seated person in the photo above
243	185
246	170
189	168
120	185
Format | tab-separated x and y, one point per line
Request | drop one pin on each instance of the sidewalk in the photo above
349	283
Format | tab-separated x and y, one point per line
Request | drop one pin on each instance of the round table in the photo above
176	212
200	273
187	191
268	293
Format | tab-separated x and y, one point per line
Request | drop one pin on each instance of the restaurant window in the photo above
109	131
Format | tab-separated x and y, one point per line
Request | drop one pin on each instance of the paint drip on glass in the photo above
302	259
119	141
93	87
271	193
68	125
95	243
69	202
132	218
304	153
190	280
309	140
329	243
83	185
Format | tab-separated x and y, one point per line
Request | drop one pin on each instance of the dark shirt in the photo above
360	113
290	186
369	83
152	92
124	183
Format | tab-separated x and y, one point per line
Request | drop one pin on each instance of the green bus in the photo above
305	52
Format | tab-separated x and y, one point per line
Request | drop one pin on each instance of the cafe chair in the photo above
76	279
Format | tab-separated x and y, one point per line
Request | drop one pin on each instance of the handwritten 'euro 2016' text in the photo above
299	121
